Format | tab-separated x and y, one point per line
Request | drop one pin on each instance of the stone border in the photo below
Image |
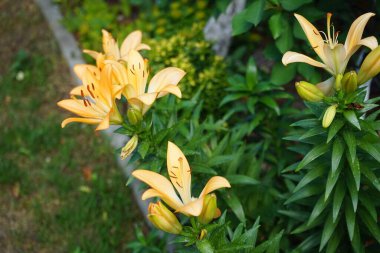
73	55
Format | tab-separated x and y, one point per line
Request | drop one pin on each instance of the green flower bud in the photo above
329	116
309	92
134	116
163	219
209	210
338	82
370	66
350	82
129	147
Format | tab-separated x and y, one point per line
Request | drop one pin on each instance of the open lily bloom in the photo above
134	78
112	50
180	177
333	55
97	105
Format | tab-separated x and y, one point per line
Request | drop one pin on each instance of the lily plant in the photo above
333	55
180	180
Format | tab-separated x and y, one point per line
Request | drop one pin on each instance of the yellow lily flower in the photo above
334	56
180	175
134	77
97	105
112	50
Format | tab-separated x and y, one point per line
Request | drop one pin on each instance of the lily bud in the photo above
329	116
370	66
350	82
134	116
309	92
129	147
163	219
338	82
210	210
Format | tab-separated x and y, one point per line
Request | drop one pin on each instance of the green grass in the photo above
61	187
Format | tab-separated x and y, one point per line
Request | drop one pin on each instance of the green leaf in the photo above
317	210
356	243
333	243
316	152
286	40
232	97
339	194
219	159
233	201
240	24
355	169
242	180
350	219
275	25
369	205
350	140
331	181
306	123
313	132
337	153
352	118
251	73
310	176
268	101
254	12
143	148
351	185
370	149
305	192
371	177
371	224
282	74
334	128
204	246
291	5
328	229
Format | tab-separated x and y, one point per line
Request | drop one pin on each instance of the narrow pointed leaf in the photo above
370	149
350	140
371	224
351	185
310	176
352	118
371	177
316	152
337	153
331	181
340	191
350	219
369	205
328	229
334	129
318	209
355	169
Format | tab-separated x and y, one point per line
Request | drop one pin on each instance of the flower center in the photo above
328	39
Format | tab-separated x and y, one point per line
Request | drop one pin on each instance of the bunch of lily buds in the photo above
202	210
119	72
340	92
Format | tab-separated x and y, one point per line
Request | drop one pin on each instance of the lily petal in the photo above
337	60
313	35
213	184
104	124
146	98
179	172
356	32
370	42
142	47
193	208
173	89
151	193
291	57
131	42
76	106
110	47
91	53
165	77
82	120
160	184
327	87
137	72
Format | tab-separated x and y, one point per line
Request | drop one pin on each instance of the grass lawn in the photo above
60	189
